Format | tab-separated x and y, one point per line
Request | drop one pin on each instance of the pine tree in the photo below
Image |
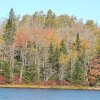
56	62
51	54
50	19
54	54
63	48
68	71
10	28
77	43
10	31
78	72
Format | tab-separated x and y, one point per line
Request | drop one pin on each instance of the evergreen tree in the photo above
77	43
54	54
51	54
68	71
63	50
63	47
10	28
78	72
56	62
30	74
50	19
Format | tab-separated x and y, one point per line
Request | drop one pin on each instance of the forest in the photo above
47	49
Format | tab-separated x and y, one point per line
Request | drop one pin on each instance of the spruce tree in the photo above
51	54
56	62
78	72
68	71
77	43
54	54
50	19
63	48
10	28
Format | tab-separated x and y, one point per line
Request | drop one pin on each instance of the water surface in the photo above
47	94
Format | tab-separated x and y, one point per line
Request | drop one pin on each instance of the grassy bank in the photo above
51	87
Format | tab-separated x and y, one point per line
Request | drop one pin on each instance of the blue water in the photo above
47	94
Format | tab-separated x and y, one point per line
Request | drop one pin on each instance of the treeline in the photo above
46	47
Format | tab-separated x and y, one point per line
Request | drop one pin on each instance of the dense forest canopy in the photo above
49	48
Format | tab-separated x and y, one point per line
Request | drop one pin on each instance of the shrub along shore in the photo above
51	87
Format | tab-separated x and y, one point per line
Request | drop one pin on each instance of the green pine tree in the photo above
50	19
54	54
10	28
68	71
78	73
78	43
63	47
51	54
56	62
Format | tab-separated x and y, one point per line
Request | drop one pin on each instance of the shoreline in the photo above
51	87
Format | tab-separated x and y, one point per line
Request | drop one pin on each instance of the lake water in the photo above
47	94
